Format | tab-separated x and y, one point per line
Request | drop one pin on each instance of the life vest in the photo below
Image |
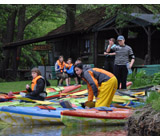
61	65
71	70
34	85
68	66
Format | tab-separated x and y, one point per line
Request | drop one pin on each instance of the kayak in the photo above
30	115
52	92
94	116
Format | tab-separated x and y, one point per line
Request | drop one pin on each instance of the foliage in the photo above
154	100
156	79
139	79
123	11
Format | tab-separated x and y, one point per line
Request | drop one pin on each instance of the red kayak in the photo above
94	116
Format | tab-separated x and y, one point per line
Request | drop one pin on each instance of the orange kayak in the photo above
94	116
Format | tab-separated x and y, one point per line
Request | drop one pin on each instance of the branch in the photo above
33	18
144	9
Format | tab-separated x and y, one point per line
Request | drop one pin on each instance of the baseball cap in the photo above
120	37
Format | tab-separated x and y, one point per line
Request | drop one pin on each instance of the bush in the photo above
139	79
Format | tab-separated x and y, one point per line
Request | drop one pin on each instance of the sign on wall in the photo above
41	47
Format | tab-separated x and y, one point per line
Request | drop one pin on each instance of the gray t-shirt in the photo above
122	54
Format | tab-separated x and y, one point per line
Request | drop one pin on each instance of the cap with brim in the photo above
120	37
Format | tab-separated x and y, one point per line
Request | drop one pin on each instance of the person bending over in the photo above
101	84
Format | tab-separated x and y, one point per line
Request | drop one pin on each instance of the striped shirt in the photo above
123	54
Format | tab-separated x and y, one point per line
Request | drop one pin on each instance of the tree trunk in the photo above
20	34
7	38
70	20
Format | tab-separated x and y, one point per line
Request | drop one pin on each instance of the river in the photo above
61	130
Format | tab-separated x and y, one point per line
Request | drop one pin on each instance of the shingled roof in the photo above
84	21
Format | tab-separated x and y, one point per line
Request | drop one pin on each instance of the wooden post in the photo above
95	48
149	45
149	34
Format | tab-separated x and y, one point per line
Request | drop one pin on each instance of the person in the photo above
61	71
78	61
38	86
109	57
101	84
123	53
70	71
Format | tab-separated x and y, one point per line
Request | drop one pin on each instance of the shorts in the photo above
71	76
62	75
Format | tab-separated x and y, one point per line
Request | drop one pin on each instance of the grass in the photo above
21	85
154	100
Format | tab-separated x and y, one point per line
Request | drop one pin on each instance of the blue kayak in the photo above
30	115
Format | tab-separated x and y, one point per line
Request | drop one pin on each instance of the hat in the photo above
120	37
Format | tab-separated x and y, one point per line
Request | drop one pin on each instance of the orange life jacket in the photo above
34	82
68	66
61	65
95	81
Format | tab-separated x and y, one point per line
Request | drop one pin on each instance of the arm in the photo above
56	67
111	53
39	88
131	55
131	64
109	48
92	83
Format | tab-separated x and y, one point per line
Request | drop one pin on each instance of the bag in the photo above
70	71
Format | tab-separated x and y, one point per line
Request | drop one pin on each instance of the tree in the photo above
19	17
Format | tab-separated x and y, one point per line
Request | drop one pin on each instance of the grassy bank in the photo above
20	85
154	100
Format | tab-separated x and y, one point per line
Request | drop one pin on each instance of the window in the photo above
87	46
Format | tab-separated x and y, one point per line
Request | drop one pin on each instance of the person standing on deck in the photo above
109	57
123	53
101	84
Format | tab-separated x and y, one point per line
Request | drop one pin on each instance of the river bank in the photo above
144	122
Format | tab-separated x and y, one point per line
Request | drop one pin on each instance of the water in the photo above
49	130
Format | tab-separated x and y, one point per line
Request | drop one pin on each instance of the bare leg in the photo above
60	81
67	81
76	80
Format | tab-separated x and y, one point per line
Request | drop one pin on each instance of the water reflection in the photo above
43	130
46	130
94	131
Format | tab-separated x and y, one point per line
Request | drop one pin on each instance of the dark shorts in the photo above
62	75
71	76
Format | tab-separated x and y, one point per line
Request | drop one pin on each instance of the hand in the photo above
89	104
27	86
105	53
10	94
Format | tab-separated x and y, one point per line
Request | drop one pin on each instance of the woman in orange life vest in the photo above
61	71
69	67
101	84
38	85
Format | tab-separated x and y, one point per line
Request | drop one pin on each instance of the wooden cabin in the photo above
92	30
